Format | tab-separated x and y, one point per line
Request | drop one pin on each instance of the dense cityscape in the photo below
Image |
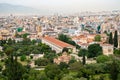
80	46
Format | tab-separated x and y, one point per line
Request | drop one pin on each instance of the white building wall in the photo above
119	41
107	50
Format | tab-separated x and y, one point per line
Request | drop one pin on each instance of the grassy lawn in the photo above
23	62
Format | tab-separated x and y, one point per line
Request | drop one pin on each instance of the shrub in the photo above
23	58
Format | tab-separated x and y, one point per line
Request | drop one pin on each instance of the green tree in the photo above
85	73
10	41
9	50
53	71
76	66
117	51
35	51
68	77
50	56
26	41
1	67
63	65
97	38
63	38
114	70
25	35
118	76
23	58
83	53
94	50
110	38
98	28
2	77
83	60
33	75
98	68
65	50
102	59
44	48
42	76
116	39
77	46
66	39
13	70
25	76
72	42
2	54
2	42
33	42
72	60
106	33
41	62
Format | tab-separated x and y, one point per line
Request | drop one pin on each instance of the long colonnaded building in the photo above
57	45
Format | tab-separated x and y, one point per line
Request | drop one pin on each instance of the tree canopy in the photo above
102	58
94	50
97	38
67	39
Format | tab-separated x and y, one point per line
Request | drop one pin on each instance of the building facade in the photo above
107	49
119	41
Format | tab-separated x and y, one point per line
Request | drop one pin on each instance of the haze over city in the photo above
67	6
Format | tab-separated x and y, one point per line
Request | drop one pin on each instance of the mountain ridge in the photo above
18	9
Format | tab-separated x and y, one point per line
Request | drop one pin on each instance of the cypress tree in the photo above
110	38
83	53
83	60
116	39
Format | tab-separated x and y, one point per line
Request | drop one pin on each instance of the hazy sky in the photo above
68	5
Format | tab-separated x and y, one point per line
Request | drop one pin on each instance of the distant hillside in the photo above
17	9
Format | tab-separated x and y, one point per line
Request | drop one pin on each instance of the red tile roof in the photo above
57	42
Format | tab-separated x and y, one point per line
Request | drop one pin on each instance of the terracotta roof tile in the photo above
57	42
